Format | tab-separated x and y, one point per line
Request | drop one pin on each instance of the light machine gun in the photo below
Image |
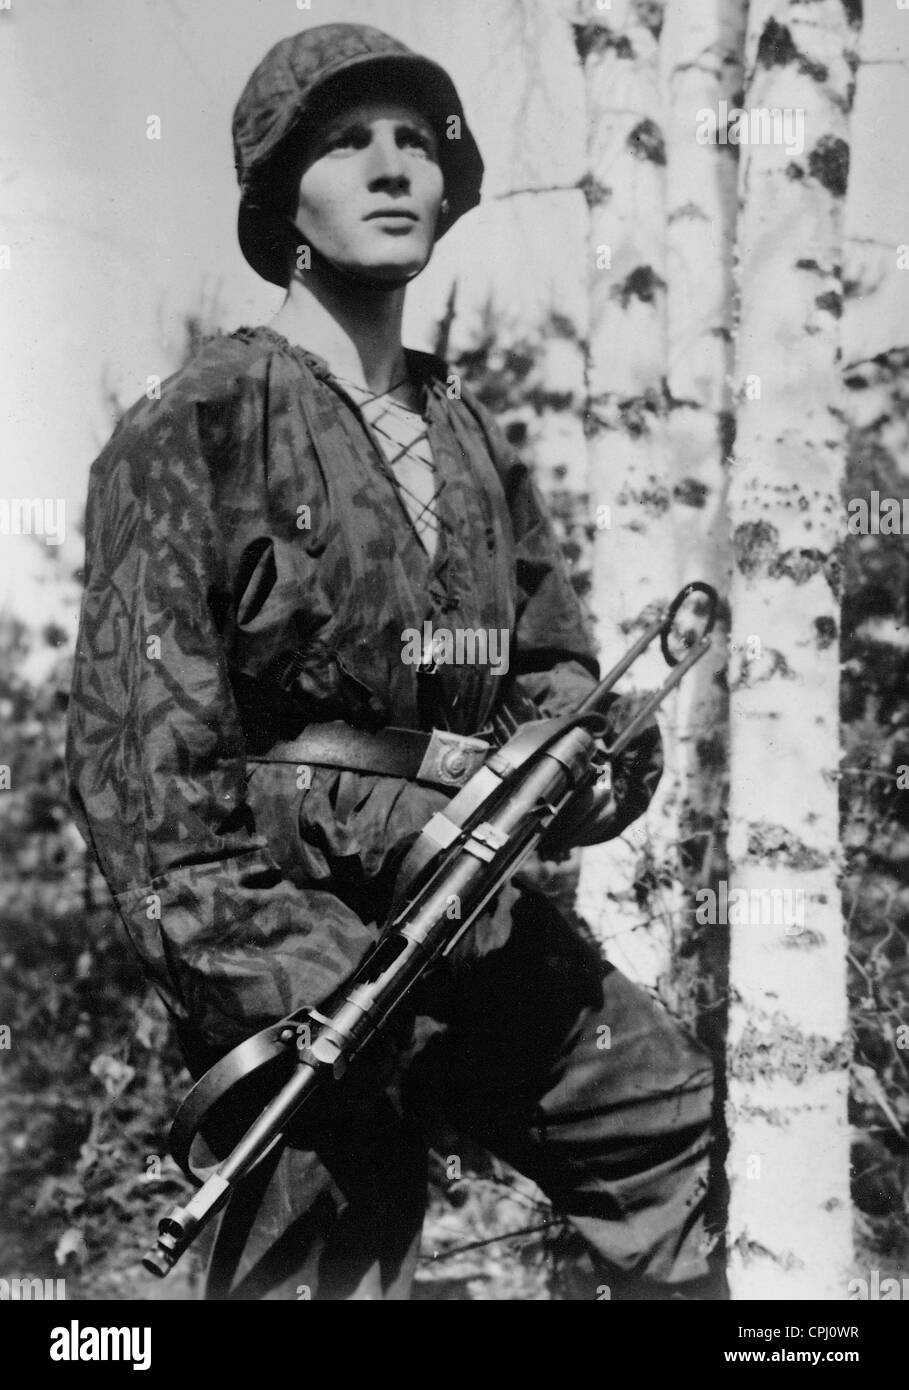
464	855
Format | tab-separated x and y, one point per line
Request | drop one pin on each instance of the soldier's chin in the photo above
394	263
404	268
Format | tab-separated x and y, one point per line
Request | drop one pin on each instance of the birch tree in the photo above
633	564
788	1166
701	61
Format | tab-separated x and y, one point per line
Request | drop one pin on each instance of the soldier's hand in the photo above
603	811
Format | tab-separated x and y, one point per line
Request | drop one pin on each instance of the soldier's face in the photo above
371	188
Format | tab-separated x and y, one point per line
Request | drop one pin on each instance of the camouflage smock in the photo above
250	568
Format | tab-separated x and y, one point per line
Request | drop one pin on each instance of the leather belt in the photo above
440	758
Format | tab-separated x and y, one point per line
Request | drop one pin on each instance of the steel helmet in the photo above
286	98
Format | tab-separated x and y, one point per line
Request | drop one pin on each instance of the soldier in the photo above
259	542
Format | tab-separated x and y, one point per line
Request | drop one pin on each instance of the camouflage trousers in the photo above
547	1057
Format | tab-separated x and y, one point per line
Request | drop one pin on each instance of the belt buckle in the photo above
452	759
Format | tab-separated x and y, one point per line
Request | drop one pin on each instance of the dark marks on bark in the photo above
854	12
775	846
755	544
691	492
726	424
595	193
775	46
756	549
782	1050
646	141
777	49
642	283
828	162
831	302
597	39
649	14
825	633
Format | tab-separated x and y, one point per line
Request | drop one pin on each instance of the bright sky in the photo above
113	236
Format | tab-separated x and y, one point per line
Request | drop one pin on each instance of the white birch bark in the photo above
701	59
788	1163
633	565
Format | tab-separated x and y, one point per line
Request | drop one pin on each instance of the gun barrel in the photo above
179	1228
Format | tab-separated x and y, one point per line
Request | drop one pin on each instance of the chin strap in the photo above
342	275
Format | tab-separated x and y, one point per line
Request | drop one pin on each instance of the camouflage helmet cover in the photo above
283	99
